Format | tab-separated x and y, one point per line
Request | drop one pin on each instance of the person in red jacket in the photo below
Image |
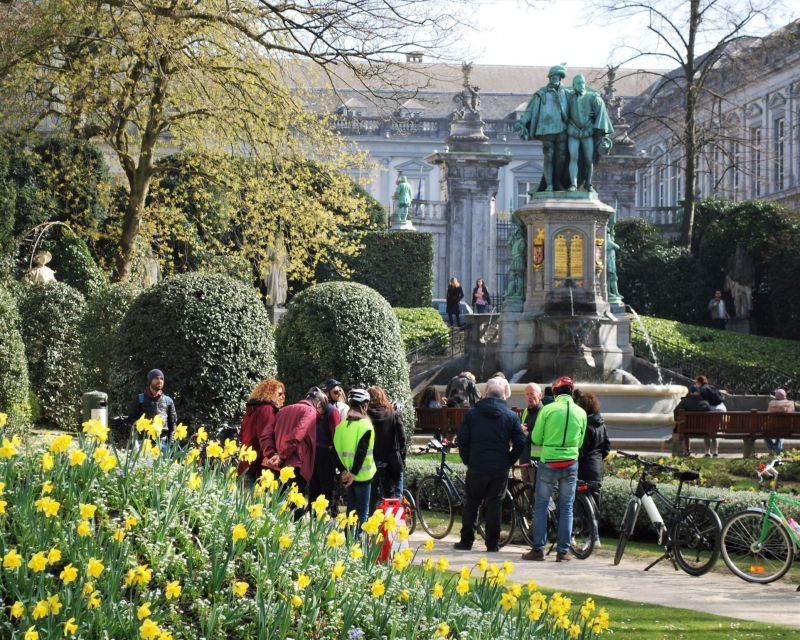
293	439
261	410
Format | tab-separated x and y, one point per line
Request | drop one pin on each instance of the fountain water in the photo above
649	342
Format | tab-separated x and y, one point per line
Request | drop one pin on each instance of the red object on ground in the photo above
390	507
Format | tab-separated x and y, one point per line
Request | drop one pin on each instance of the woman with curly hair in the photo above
262	407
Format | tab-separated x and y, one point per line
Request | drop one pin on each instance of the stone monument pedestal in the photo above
566	325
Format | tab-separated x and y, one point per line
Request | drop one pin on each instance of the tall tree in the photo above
695	38
145	77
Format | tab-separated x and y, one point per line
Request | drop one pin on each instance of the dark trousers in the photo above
384	485
457	315
488	488
324	477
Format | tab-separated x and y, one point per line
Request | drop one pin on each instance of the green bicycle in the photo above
758	545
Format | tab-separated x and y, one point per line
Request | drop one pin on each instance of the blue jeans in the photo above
398	488
775	446
546	480
358	500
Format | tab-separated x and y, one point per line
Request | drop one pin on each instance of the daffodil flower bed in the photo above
162	542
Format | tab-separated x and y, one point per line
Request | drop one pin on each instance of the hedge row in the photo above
423	325
13	365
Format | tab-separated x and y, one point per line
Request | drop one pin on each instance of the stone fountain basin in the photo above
631	411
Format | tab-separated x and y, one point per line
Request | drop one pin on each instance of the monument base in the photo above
403	226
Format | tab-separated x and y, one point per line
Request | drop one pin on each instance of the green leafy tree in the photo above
13	366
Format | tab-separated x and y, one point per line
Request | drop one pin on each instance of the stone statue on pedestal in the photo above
404	196
515	290
40	273
589	133
611	262
276	285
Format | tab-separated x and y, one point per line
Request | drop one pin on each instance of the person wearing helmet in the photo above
354	440
559	431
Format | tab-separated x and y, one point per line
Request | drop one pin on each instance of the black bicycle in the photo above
692	531
584	515
439	496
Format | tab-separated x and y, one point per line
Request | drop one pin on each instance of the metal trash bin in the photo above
94	406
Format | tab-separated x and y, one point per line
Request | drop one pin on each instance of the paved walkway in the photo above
720	593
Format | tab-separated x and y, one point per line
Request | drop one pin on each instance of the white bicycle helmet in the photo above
358	396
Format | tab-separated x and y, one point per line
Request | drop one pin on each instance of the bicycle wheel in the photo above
626	530
582	543
435	507
410	510
522	494
695	539
508	518
751	560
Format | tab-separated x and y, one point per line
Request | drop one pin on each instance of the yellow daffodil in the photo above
119	535
31	634
94	568
47	461
378	588
17	609
164	635
194	481
47	488
180	432
229	448
3	419
47	506
284	542
139	576
438	591
240	588
41	610
356	552
143	611
192	456
508	567
55	604
107	464
96	429
335	539
320	506
131	522
428	546
405	595
462	587
303	580
507	600
88	588
70	627
337	571
8	449
53	556
256	510
287	473
390	524
202	435
3	505
76	457
87	511
84	528
149	630
68	574
61	443
172	590
427	564
296	601
238	532
2	488
214	450
483	563
442	630
442	563
403	532
95	600
38	562
12	560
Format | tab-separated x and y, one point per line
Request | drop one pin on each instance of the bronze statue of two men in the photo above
574	128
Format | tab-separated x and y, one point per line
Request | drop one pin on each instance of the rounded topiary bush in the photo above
51	316
13	366
211	337
104	312
74	264
345	330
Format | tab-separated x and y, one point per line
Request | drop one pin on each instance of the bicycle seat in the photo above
687	476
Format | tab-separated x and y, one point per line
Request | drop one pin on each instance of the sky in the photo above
544	32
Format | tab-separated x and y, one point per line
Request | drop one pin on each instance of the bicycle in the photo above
690	536
758	545
584	515
439	495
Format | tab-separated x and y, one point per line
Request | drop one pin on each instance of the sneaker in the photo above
534	554
492	549
708	455
462	546
714	455
564	557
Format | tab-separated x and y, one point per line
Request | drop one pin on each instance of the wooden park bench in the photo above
747	426
445	421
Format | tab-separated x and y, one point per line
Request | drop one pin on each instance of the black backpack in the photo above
713	395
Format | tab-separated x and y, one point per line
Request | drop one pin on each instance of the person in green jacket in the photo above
559	431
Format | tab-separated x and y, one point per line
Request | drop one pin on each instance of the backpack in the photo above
713	395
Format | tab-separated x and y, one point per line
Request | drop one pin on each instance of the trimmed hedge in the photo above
104	312
422	325
348	331
13	366
74	264
398	265
51	316
211	337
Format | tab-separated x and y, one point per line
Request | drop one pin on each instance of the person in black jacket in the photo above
490	440
481	300
454	296
692	401
153	402
596	445
464	385
389	448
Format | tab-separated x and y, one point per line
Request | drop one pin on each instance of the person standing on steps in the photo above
559	431
481	301
489	442
455	294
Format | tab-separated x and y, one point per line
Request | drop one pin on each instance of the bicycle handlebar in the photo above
647	463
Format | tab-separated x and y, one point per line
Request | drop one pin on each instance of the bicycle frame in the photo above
450	478
773	508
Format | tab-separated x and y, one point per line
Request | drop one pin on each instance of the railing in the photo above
742	379
422	128
428	210
444	346
660	216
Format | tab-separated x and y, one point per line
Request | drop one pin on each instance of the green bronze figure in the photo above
588	130
611	261
404	196
545	119
515	290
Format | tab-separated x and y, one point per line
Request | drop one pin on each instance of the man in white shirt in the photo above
716	307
